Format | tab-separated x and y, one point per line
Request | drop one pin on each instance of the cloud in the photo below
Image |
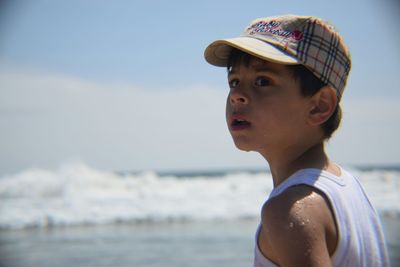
49	118
369	132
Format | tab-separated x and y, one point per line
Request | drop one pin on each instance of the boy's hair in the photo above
309	85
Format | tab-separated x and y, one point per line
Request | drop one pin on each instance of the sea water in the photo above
80	216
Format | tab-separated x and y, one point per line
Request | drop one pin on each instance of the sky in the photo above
123	85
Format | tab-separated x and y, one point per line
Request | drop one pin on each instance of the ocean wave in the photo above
76	194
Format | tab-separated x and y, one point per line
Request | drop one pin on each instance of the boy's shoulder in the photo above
299	220
300	203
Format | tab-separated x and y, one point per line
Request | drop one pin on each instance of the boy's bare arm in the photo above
299	228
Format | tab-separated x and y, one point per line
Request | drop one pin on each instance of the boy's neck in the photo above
290	162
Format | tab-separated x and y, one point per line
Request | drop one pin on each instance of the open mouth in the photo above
239	124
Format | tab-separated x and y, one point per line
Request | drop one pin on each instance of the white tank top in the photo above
361	241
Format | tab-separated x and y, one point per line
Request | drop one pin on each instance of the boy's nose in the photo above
238	97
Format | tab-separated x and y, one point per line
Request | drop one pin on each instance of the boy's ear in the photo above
322	105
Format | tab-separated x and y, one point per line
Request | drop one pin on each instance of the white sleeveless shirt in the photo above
360	236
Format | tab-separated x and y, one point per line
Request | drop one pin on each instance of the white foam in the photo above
77	194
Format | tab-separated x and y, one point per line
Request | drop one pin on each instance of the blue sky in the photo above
122	85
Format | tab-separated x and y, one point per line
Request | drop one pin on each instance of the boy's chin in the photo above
242	146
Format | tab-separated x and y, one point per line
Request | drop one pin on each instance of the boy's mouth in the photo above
239	124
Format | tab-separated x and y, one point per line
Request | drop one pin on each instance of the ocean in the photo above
79	216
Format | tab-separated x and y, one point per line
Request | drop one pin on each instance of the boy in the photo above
286	76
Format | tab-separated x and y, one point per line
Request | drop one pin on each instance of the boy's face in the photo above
265	110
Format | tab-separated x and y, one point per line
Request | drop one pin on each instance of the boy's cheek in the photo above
227	111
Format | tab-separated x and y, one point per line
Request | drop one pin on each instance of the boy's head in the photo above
313	52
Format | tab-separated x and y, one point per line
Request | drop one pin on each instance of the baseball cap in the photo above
291	39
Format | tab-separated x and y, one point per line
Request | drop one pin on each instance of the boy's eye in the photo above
262	81
233	83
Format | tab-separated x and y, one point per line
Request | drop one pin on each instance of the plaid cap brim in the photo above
217	53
